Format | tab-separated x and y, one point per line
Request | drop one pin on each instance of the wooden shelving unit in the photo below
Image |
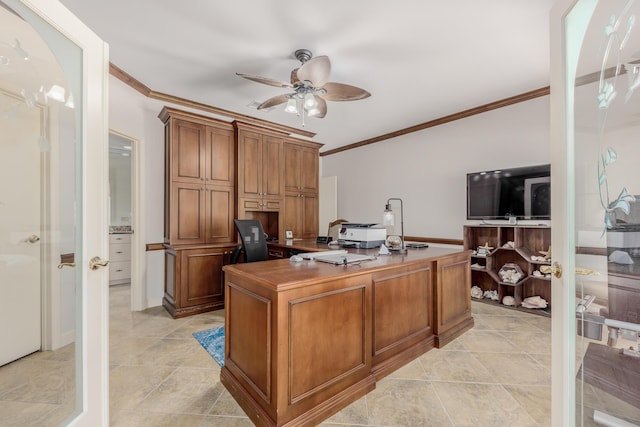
510	245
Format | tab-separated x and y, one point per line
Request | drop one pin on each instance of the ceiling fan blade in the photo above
316	70
322	107
343	92
264	80
272	102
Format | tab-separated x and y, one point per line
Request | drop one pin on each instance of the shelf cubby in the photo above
526	242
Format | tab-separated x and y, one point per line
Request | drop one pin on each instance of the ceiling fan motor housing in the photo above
303	55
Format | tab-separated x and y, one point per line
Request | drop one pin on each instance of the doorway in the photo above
126	213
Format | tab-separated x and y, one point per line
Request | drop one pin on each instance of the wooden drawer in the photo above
119	238
119	270
260	204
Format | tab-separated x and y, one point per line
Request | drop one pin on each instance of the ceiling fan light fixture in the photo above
310	88
292	106
313	112
310	102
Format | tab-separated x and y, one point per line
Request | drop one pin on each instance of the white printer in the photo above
362	235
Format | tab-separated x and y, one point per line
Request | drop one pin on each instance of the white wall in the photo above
427	169
136	116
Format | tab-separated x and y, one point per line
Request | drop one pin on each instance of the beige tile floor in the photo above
497	374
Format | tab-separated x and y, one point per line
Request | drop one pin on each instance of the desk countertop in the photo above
284	274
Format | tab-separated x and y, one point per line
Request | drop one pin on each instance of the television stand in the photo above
510	245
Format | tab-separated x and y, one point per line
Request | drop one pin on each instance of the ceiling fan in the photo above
311	88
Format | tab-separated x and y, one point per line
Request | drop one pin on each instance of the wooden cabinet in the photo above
517	246
200	178
215	172
201	154
194	281
200	171
301	166
200	214
119	258
260	177
301	187
260	164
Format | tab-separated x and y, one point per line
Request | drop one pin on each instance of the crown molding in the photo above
150	93
446	119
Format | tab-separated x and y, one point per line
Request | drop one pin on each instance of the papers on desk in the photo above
314	255
344	259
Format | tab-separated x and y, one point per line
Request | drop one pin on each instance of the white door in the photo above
20	229
595	140
58	72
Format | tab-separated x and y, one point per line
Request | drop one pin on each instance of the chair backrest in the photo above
254	242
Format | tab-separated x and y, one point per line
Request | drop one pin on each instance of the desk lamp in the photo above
388	218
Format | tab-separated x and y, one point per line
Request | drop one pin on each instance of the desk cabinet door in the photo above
201	277
301	215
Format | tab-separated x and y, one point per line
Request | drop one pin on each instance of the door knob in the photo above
586	272
32	239
66	264
556	270
96	262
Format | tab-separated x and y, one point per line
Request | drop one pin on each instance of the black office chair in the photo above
254	242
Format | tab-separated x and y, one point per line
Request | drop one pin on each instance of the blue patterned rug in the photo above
213	341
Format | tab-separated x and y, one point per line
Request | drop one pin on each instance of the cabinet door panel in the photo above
250	155
187	214
186	152
201	277
220	210
272	166
394	329
292	214
309	218
291	167
309	170
220	157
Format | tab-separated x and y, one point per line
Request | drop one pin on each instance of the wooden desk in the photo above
304	340
282	249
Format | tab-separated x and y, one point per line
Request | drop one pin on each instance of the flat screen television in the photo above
521	193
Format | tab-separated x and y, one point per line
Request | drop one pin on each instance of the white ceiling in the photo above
420	59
